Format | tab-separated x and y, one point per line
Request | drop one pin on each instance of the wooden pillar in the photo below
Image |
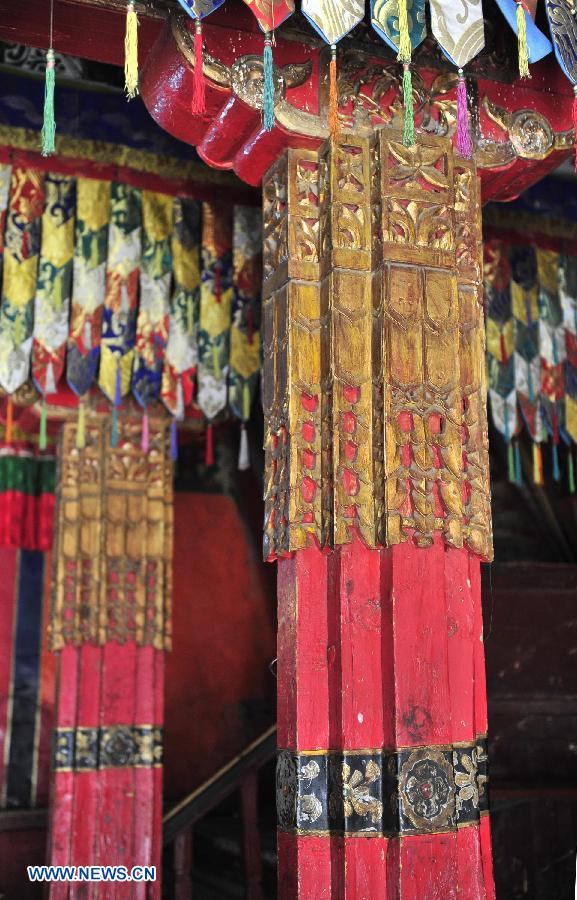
377	508
110	625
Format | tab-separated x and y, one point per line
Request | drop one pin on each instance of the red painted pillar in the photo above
110	625
377	510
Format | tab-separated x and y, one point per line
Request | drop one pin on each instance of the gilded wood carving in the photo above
374	377
113	559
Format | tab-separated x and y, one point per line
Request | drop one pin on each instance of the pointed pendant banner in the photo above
122	278
385	21
333	19
20	272
155	276
182	348
245	329
199	9
215	309
88	282
270	13
458	27
52	302
563	26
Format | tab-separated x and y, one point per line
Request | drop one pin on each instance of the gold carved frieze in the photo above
113	557
374	376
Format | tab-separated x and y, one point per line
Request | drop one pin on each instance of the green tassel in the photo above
49	124
42	435
511	462
268	87
571	474
518	471
409	121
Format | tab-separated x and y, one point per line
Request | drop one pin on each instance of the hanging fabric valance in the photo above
531	306
132	291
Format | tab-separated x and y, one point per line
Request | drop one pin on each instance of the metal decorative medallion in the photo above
109	747
410	791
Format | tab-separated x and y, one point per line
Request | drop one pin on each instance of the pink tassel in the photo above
464	143
198	106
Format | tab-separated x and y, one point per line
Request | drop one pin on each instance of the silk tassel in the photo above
209	448
518	469
145	433
409	115
243	452
523	49
173	441
510	463
49	124
42	434
268	85
333	95
9	420
537	464
571	472
81	427
131	52
556	470
464	143
198	106
117	402
50	384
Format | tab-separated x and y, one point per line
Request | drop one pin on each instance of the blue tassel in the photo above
268	87
518	472
556	472
118	386
173	441
114	428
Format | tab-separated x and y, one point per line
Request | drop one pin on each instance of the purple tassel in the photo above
464	143
173	441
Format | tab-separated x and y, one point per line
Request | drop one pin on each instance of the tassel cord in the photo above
49	123
268	85
523	49
409	115
464	143
131	52
198	106
333	95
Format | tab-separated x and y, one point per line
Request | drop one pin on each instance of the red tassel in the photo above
209	449
464	143
503	348
575	119
217	290
199	85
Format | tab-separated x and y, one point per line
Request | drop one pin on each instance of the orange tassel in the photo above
9	420
198	106
333	95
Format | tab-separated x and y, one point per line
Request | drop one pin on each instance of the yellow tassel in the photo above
537	464
333	95
404	54
81	427
131	52
246	401
522	41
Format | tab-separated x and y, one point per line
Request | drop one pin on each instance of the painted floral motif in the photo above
356	792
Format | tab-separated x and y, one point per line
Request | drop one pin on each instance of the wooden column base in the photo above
106	805
382	783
